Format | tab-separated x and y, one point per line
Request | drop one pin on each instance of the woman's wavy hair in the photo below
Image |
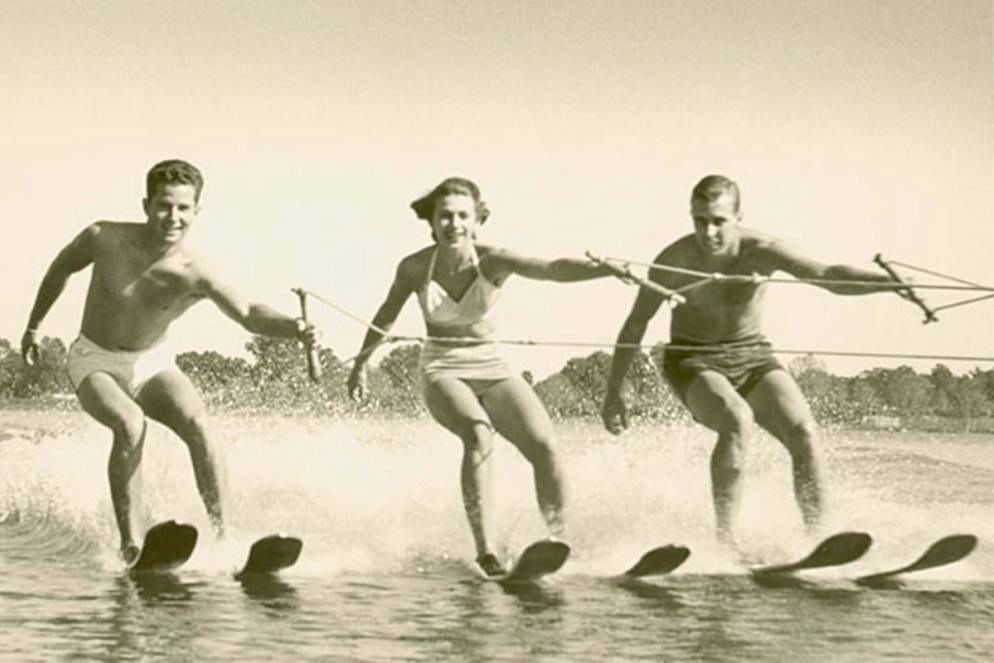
424	207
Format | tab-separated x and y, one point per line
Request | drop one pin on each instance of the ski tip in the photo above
658	561
537	560
271	554
961	544
552	552
838	549
854	541
167	546
550	545
947	550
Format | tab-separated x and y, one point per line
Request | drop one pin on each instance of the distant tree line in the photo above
273	378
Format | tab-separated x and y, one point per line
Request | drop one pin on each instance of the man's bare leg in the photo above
171	399
715	403
781	409
104	400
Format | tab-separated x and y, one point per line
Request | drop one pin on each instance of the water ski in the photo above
271	554
833	551
658	561
537	560
167	546
944	551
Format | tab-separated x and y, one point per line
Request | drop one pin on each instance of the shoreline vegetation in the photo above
273	380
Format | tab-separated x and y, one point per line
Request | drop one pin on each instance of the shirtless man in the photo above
144	277
727	390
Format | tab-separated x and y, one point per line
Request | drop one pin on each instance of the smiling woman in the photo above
469	387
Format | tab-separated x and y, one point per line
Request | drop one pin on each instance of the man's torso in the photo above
132	297
717	311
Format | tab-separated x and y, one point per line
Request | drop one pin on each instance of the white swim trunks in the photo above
131	369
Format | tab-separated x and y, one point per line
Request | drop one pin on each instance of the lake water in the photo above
385	574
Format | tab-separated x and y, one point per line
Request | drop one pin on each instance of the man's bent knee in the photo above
737	420
129	430
725	418
805	431
800	440
190	424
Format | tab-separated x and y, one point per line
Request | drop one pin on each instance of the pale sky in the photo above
853	127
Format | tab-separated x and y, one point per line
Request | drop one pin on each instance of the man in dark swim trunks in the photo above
718	362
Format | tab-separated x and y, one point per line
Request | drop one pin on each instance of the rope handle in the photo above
313	361
908	294
671	297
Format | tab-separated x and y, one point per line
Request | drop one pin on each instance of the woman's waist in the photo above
442	343
474	333
460	351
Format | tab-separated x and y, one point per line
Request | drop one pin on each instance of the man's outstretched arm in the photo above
799	266
256	318
74	257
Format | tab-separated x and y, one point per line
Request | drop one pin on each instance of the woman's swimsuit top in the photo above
441	309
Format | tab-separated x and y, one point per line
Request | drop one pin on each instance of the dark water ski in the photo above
658	561
536	561
944	551
271	554
833	551
167	546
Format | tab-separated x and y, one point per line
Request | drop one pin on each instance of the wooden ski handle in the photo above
313	360
671	297
910	293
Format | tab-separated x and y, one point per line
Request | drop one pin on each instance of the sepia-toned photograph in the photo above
497	330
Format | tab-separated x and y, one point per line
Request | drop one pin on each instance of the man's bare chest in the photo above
128	280
717	295
736	284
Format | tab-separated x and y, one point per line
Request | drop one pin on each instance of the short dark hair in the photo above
710	188
424	206
173	171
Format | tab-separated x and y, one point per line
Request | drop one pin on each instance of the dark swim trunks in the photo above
743	363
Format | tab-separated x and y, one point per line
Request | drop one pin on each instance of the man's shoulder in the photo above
113	230
756	242
680	252
110	240
201	273
764	253
118	227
